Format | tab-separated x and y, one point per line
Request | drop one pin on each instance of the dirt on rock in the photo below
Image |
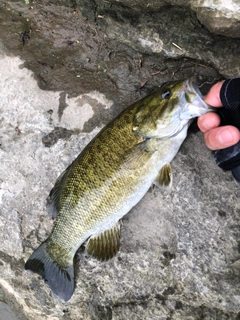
79	46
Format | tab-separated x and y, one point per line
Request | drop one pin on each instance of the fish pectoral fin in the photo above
147	145
139	154
164	177
105	245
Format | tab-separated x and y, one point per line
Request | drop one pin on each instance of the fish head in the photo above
165	112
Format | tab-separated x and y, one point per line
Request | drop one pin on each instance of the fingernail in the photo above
225	137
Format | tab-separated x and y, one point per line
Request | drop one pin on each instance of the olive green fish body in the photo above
109	177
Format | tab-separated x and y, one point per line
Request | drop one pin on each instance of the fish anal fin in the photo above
59	279
105	245
164	177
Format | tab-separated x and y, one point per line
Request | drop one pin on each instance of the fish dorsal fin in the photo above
53	200
105	245
164	177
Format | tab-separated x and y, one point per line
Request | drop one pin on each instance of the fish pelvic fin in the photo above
60	279
164	178
105	245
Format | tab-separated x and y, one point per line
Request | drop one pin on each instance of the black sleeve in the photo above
229	158
230	94
230	98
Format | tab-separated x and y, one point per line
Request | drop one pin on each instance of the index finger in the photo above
208	121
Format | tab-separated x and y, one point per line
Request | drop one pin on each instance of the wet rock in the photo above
179	256
222	17
103	56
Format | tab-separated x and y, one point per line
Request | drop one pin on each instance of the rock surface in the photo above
219	16
180	251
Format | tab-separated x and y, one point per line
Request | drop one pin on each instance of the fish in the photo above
110	176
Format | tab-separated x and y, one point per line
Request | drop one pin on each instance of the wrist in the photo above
230	93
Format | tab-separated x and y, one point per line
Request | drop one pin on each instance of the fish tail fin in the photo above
60	279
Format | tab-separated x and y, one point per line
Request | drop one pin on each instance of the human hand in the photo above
216	137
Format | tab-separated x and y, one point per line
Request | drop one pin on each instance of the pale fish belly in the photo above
166	151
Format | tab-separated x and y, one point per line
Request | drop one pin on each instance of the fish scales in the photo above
96	185
110	176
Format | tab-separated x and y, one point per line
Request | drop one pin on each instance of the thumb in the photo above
213	96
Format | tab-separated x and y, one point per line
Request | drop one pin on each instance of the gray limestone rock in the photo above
219	16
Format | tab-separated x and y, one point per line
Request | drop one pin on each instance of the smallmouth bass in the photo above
110	176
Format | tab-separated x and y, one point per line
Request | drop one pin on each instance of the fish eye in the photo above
166	94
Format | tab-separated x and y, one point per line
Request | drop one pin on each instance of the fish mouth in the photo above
192	87
192	84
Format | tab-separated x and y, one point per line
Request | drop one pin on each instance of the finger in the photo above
208	121
213	96
221	137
